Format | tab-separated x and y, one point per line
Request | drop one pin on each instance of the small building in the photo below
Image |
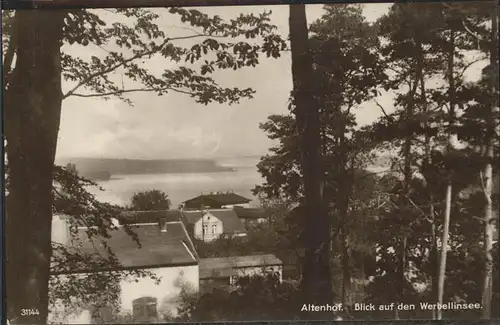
165	250
223	272
208	225
250	216
216	200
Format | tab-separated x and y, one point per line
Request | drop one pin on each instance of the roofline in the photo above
211	198
242	267
154	266
188	250
196	257
265	265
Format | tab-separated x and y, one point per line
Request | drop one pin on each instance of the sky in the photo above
174	126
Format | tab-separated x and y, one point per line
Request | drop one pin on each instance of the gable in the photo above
230	221
209	218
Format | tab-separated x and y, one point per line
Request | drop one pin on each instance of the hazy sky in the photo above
173	126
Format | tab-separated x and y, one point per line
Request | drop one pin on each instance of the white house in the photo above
208	225
222	272
166	251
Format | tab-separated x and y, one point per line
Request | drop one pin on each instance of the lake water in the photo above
180	187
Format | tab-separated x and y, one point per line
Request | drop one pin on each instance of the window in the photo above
144	309
214	229
205	229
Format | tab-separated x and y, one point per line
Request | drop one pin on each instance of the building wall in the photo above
209	221
166	293
60	230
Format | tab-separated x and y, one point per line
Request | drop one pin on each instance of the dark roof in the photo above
216	199
138	217
249	213
230	222
225	266
170	248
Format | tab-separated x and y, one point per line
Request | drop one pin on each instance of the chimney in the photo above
162	223
60	230
181	207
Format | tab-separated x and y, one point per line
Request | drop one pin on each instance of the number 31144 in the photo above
30	312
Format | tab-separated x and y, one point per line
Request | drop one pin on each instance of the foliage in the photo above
256	298
398	212
140	37
149	201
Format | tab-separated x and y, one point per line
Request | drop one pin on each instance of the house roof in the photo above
249	213
225	266
230	221
217	199
138	217
157	249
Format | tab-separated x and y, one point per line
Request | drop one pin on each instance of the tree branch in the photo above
470	32
469	65
133	90
154	50
383	110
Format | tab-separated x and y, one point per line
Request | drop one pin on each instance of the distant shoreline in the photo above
103	169
118	176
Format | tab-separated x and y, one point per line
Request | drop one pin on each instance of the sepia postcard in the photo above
269	162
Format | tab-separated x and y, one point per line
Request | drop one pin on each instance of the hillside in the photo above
114	166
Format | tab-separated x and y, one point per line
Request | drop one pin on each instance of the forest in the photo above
425	229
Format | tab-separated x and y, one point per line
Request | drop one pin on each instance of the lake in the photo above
181	187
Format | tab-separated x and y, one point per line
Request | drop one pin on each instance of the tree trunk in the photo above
444	247
447	212
346	269
487	292
32	115
316	281
432	216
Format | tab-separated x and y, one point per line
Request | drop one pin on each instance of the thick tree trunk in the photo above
487	290
447	212
32	115
316	281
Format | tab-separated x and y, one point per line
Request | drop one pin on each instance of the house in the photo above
250	216
216	200
208	225
166	251
222	272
